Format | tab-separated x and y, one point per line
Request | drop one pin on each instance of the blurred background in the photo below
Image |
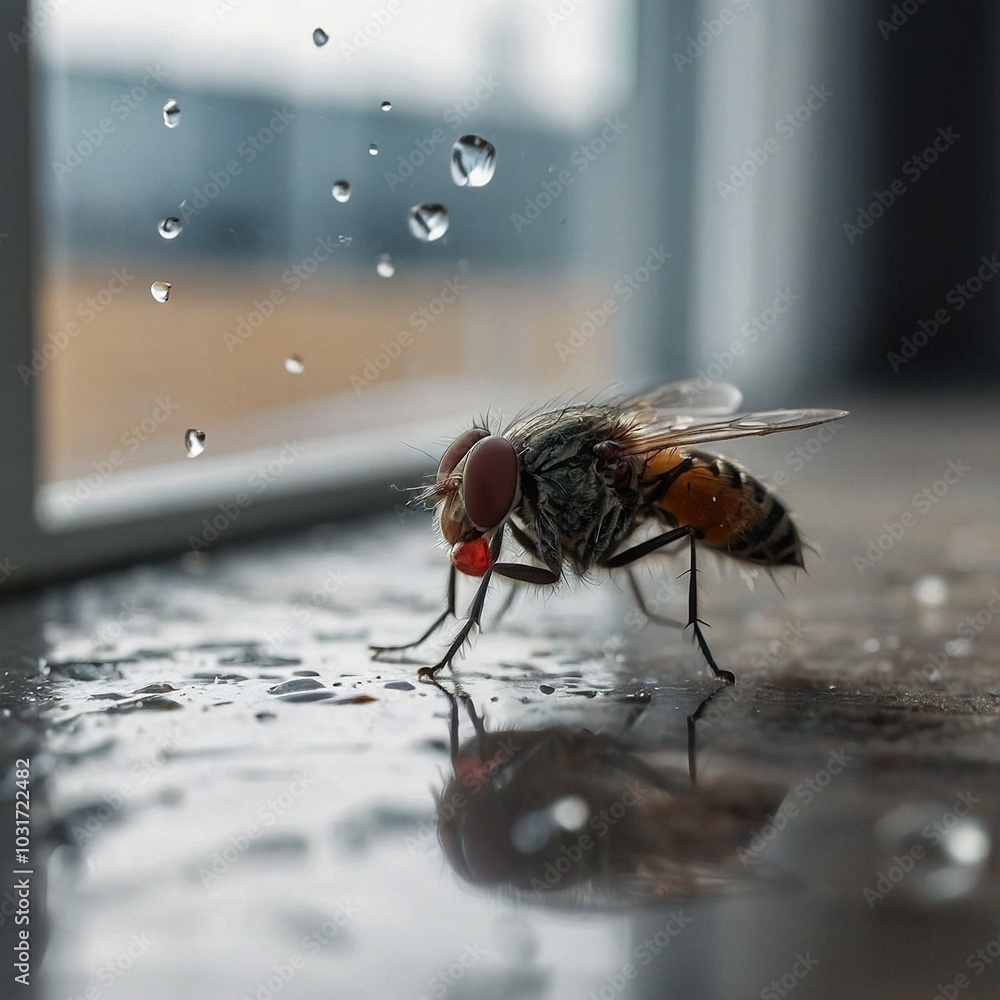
780	195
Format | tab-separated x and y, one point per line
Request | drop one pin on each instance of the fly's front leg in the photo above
536	575
448	612
529	546
651	545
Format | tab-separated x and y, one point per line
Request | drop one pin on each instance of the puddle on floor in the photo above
232	800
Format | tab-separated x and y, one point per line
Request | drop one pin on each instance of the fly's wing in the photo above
690	397
674	432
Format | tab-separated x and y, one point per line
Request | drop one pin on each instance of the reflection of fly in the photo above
574	484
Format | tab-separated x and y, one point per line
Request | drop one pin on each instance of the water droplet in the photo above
345	240
384	266
160	290
386	105
871	645
429	222
473	161
171	114
341	191
294	365
194	442
373	150
170	227
930	590
320	37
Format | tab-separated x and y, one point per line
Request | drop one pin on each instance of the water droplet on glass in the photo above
373	150
386	105
930	590
871	645
429	222
345	240
171	114
342	191
320	37
170	227
473	161
294	365
160	290
955	848
384	266
194	442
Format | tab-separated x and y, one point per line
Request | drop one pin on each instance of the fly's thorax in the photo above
731	510
579	496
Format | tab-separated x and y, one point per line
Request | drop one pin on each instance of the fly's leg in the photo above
536	575
651	545
448	612
529	546
640	599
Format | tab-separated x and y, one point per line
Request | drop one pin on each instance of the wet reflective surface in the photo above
229	799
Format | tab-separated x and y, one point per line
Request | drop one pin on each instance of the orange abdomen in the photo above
729	508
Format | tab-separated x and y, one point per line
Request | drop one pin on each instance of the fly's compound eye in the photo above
489	482
456	451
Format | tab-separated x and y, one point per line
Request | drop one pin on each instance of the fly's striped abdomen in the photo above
730	509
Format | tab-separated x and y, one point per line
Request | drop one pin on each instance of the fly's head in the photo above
477	486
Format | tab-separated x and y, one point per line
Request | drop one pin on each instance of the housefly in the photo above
578	486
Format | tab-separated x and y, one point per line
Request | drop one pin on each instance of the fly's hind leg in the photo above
640	599
651	545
